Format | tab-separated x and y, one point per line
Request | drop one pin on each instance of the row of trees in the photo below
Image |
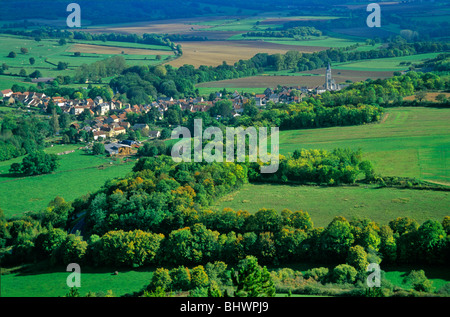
276	238
295	32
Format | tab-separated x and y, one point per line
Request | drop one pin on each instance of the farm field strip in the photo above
324	203
77	175
411	142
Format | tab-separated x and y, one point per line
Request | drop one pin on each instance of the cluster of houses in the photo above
110	117
99	107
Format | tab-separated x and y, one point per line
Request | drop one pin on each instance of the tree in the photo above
24	50
98	148
62	42
441	98
64	120
32	60
54	121
431	240
181	278
16	168
222	108
12	54
165	134
62	65
22	73
344	273
420	95
48	242
251	280
357	258
35	74
160	279
418	281
199	278
38	163
337	239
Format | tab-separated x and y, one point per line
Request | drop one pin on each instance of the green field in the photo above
53	283
46	283
77	175
322	41
410	142
48	53
384	64
324	203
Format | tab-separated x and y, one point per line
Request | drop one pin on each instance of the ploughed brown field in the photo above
317	78
213	53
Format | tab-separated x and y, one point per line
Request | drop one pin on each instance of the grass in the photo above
49	50
77	175
384	64
52	283
324	203
411	142
321	41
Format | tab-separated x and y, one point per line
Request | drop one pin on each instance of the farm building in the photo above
118	149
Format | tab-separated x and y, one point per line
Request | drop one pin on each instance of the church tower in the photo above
328	79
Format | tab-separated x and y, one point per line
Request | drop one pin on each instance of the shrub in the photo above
319	274
344	273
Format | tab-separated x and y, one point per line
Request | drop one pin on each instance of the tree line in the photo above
295	32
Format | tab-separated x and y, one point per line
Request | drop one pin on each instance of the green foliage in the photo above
320	274
161	280
38	163
251	280
337	238
132	249
357	258
344	273
418	281
98	148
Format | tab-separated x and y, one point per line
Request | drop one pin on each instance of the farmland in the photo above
324	203
77	175
161	228
344	72
47	53
411	142
213	53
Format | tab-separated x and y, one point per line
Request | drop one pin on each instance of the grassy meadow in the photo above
77	175
324	203
408	142
45	283
48	53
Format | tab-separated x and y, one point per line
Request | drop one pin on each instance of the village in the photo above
109	118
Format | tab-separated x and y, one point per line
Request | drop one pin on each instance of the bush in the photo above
344	273
319	274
